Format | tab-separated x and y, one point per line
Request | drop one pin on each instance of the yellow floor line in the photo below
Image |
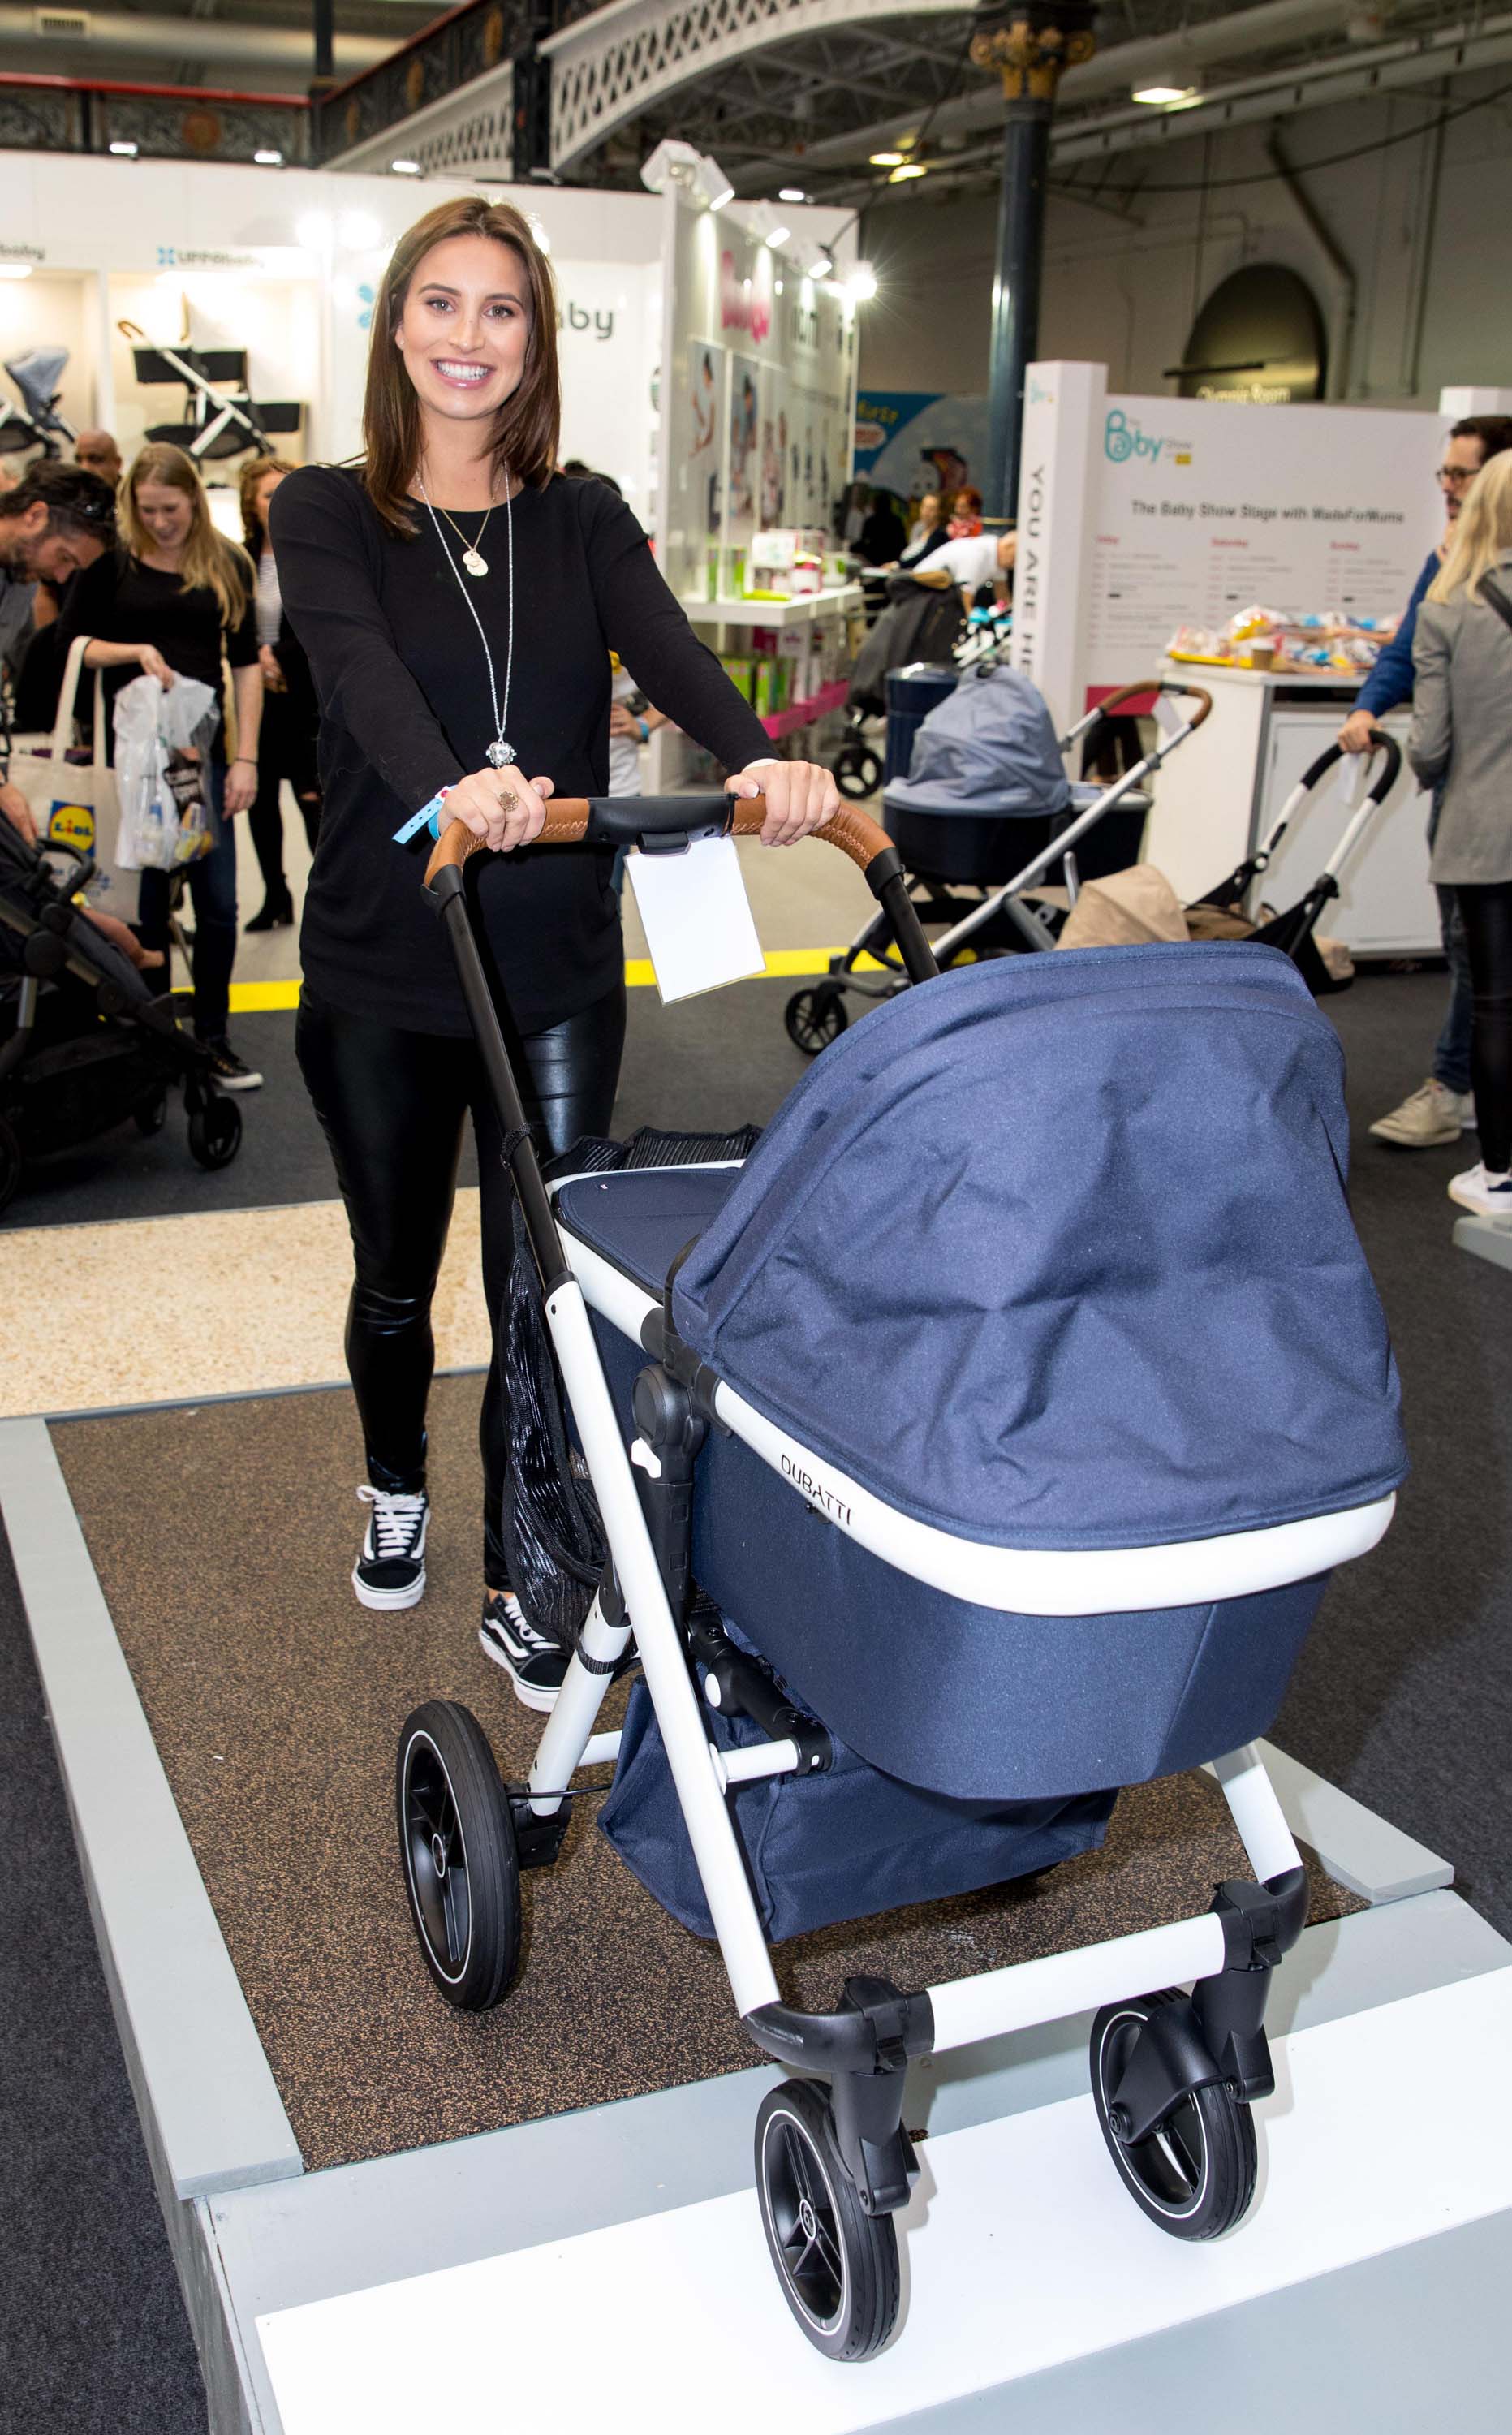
784	963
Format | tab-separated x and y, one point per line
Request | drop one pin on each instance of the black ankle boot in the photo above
277	913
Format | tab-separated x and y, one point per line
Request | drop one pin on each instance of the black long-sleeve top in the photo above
404	709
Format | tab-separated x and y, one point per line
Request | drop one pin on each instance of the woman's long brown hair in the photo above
256	470
528	423
209	562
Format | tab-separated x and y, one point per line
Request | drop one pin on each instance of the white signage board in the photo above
1185	512
287	262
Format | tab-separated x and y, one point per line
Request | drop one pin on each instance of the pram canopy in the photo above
1055	1253
990	749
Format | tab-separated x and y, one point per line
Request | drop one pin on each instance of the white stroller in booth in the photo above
979	1444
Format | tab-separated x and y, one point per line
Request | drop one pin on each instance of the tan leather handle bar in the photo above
567	817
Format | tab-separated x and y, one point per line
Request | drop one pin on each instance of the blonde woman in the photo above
167	603
1462	738
291	714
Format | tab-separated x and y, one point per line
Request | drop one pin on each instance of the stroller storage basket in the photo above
831	1846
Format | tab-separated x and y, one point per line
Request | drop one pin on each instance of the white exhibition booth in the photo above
1139	514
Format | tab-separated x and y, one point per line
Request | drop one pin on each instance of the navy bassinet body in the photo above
1054	1254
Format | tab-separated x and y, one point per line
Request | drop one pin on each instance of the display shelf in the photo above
803	713
775	612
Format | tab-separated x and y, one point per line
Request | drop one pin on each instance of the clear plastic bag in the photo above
164	740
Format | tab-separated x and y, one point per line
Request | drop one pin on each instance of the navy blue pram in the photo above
980	1443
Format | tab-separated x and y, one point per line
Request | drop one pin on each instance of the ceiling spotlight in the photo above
905	170
791	195
677	164
862	282
820	267
1164	93
886	159
777	236
406	168
125	151
268	159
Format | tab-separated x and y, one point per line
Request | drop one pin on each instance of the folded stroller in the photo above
1222	912
918	623
84	1044
985	811
979	1444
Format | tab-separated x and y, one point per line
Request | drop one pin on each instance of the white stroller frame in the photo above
1208	2051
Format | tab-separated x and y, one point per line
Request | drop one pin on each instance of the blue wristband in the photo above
429	815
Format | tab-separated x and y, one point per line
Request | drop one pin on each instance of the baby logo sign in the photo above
1123	439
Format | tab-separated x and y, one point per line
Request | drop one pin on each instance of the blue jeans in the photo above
1452	1053
213	893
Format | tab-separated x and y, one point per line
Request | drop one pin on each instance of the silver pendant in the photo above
474	564
501	754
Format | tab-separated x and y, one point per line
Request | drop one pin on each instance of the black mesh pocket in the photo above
553	1536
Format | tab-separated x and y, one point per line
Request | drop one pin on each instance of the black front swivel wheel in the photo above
1195	2176
837	2266
214	1132
462	1863
815	1017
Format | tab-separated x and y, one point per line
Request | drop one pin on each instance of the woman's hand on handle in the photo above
800	796
499	806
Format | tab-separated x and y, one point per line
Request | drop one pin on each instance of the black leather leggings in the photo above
391	1104
1487	913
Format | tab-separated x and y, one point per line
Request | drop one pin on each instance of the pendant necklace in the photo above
500	752
473	558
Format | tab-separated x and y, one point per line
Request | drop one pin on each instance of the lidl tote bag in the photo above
75	802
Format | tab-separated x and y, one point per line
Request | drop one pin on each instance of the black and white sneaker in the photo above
534	1662
232	1072
390	1571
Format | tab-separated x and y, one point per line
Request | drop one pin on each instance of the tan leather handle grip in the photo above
858	838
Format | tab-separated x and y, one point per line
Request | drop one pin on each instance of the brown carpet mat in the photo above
224	1537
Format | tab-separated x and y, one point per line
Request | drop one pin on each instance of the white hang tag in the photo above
1355	773
696	916
1170	715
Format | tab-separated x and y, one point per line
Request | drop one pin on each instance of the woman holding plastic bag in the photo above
165	605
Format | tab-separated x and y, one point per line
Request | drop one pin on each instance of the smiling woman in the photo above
458	599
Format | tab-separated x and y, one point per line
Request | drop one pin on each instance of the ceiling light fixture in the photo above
791	195
15	269
862	282
886	159
1164	93
777	236
406	168
905	170
268	159
125	151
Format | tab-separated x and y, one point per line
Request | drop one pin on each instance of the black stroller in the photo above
924	1540
984	813
1221	914
84	1044
918	623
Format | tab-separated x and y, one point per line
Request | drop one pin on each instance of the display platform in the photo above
257	2234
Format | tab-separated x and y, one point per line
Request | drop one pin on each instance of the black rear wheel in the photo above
1195	2175
815	1017
857	771
214	1132
837	2266
462	1863
152	1114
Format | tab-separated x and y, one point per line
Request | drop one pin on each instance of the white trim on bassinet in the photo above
1014	1581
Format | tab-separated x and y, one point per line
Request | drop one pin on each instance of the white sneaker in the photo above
390	1571
1489	1196
1432	1116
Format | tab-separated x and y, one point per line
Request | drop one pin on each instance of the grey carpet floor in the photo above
93	2339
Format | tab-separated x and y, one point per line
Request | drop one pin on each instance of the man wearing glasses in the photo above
57	518
1441	1109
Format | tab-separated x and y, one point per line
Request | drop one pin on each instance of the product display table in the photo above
1218	796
